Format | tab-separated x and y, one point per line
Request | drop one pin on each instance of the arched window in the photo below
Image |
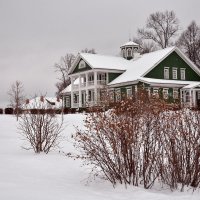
123	52
129	52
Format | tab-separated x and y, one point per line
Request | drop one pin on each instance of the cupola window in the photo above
129	52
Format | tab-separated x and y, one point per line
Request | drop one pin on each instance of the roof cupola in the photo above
129	50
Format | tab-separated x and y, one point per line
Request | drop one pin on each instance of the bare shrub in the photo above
42	130
141	141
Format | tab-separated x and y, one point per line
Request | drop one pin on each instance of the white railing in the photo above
75	105
75	86
101	82
90	82
83	84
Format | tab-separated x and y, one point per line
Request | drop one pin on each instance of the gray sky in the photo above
34	34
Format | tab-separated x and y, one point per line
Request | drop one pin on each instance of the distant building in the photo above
167	73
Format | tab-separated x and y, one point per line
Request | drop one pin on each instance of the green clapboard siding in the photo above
173	60
77	70
112	76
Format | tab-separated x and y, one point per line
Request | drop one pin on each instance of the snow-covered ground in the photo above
27	176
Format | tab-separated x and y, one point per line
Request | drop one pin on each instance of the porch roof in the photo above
192	85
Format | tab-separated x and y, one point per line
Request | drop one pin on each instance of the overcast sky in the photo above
34	34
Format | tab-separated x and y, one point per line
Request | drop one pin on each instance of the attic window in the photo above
81	64
182	74
166	73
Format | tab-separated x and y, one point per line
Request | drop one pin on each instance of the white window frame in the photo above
82	64
174	73
175	93
118	94
111	95
198	95
156	92
182	72
67	101
130	93
166	72
165	93
129	52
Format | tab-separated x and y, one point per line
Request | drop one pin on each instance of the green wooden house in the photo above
167	73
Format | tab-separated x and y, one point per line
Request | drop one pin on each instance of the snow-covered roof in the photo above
67	89
47	102
105	62
97	61
137	68
167	81
130	43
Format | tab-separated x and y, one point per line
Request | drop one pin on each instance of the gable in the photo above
78	69
173	61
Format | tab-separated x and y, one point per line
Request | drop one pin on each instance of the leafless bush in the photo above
141	141
41	130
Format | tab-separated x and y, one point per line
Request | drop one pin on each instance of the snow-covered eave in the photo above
123	84
166	82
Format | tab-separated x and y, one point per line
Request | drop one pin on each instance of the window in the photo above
129	92
175	93
123	53
198	95
111	96
155	92
174	73
118	94
165	93
67	101
182	74
81	64
129	52
166	73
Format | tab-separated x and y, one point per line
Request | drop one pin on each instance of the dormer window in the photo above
81	64
129	52
174	73
182	74
166	73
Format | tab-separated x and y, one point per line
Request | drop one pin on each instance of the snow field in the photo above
27	176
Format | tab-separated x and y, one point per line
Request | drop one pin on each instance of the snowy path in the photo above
26	176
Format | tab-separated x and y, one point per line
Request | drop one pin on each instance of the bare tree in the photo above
16	94
161	27
86	50
189	42
41	128
145	46
63	68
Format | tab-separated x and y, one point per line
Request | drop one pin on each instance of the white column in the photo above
194	98
86	78
95	87
95	78
107	78
72	97
79	92
190	98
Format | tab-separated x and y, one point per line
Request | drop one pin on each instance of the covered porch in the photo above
190	95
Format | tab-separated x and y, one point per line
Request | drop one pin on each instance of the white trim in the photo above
165	92
174	69
166	73
182	70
